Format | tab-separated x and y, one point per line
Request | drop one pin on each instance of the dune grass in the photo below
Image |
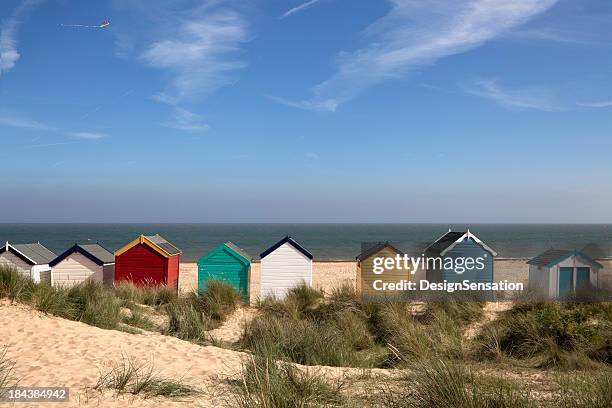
439	383
550	334
190	316
7	374
150	295
137	378
341	330
268	383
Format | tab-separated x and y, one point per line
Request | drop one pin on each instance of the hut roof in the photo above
238	250
373	249
552	257
95	252
235	251
448	241
156	242
286	240
34	254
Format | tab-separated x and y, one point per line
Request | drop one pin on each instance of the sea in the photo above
324	241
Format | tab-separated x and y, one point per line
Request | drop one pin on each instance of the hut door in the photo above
565	280
583	275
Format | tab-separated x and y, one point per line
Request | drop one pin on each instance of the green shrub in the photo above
548	334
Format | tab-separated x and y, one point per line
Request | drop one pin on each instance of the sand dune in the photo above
50	351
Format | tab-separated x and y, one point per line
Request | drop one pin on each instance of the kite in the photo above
103	24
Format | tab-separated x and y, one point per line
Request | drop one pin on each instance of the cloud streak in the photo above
414	34
33	125
9	55
599	104
519	99
299	8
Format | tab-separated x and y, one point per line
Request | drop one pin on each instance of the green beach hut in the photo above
226	263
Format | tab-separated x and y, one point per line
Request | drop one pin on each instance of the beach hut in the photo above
81	262
557	273
148	260
31	260
458	256
226	263
368	279
284	265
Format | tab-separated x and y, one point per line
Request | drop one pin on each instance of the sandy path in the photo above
491	310
231	330
50	351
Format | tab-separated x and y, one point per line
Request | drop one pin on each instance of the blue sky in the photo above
306	111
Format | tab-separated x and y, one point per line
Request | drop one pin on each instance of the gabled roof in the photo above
33	254
373	249
554	256
234	250
286	240
448	241
155	242
94	252
238	250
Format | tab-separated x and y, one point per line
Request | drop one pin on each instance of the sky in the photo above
306	111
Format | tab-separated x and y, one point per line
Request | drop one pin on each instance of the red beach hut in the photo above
148	260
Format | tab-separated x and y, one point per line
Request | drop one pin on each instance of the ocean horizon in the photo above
327	241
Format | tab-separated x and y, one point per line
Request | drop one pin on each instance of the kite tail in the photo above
79	25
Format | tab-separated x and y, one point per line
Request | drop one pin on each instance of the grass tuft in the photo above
270	384
130	377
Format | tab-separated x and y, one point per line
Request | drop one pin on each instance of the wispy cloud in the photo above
598	104
9	33
199	52
88	135
299	8
187	121
524	98
549	34
23	123
33	125
414	34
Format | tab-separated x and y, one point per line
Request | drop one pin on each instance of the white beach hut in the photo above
284	265
81	262
556	273
31	260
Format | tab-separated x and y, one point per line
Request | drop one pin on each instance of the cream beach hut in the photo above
284	265
31	260
81	262
557	273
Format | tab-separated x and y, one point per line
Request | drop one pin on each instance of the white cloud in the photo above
8	34
523	98
199	52
299	8
33	125
187	121
599	104
416	33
